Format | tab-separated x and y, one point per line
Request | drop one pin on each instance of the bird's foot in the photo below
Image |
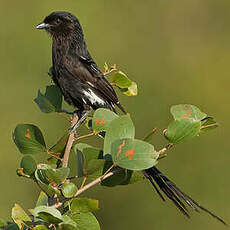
81	118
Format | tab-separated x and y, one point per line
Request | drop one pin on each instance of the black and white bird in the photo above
85	87
81	82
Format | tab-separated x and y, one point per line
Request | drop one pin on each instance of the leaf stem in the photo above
150	134
86	135
87	186
166	148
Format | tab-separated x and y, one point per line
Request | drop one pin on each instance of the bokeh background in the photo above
177	51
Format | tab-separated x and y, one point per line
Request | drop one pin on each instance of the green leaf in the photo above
59	147
40	227
131	90
89	160
67	224
86	221
121	80
69	189
124	177
56	176
29	139
102	118
3	223
48	173
84	205
40	173
42	199
121	127
182	130
187	111
53	191
134	154
51	101
28	164
208	124
19	216
49	214
11	226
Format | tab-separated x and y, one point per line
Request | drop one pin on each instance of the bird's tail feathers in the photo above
178	197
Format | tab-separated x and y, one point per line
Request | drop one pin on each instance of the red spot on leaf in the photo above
185	116
27	135
188	111
98	122
130	153
120	148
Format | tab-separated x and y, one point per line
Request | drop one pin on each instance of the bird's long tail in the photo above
179	198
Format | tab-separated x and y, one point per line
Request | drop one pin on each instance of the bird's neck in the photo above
71	43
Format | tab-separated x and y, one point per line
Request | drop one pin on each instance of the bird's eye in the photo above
58	21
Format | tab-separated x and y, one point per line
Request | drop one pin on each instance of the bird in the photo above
85	88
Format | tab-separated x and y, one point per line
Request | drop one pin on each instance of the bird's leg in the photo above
82	116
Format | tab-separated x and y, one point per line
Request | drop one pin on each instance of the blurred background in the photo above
177	52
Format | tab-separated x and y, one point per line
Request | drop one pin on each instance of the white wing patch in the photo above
93	98
90	83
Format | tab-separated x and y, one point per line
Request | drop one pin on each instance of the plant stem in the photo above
89	185
69	143
166	148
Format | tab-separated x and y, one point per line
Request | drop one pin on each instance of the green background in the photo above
177	52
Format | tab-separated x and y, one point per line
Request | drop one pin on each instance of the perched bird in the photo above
81	82
85	87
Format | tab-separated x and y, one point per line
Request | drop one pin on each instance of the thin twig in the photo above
53	155
69	143
150	134
114	68
89	185
85	135
166	148
83	182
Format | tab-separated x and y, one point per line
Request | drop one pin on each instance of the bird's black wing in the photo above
86	70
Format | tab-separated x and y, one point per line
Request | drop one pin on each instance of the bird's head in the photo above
60	23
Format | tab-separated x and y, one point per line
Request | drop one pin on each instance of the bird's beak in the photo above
42	26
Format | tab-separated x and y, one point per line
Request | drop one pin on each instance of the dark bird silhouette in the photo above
84	86
81	82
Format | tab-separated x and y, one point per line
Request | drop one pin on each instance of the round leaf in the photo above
131	90
29	139
187	111
134	154
40	173
121	80
19	216
28	164
67	224
68	189
121	127
49	214
42	199
51	101
102	118
56	175
84	205
182	130
86	221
